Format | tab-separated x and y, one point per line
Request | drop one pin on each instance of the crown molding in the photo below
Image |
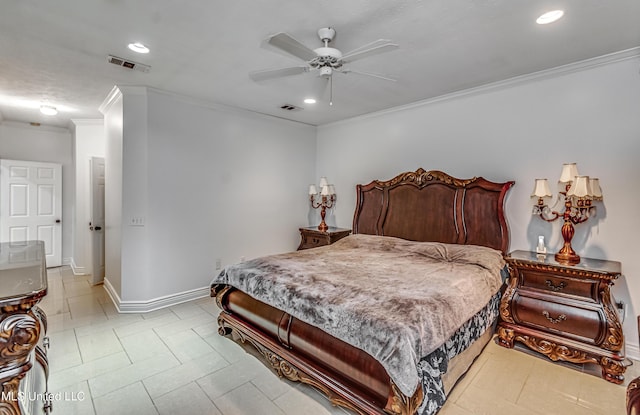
579	66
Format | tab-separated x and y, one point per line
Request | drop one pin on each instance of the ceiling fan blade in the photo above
286	43
277	73
373	44
363	53
375	75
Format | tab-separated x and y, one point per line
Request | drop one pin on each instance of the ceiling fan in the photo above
324	60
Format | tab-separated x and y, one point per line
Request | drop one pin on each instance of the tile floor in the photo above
173	361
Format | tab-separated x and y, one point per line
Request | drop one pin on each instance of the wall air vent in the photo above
128	64
289	107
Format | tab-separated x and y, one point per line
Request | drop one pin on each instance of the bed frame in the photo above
419	206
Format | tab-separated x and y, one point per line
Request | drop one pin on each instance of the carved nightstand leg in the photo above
505	337
612	370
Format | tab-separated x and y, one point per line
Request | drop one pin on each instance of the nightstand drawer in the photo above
312	237
581	324
313	241
558	284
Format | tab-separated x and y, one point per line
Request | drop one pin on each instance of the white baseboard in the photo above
153	304
74	268
632	351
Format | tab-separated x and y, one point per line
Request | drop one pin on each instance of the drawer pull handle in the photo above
316	240
558	287
560	318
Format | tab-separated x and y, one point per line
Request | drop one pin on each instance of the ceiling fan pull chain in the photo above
331	91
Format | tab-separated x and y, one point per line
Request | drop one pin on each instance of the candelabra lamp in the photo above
327	199
575	197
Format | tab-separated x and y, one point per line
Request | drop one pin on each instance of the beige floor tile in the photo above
66	377
174	378
504	376
108	324
189	399
229	349
84	308
602	396
185	324
144	345
225	380
187	345
132	399
99	344
297	401
61	322
63	351
73	400
451	408
273	386
146	324
236	402
116	379
490	402
186	310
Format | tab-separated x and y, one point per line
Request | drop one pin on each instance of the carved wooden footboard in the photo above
290	354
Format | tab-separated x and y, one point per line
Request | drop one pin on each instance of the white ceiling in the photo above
55	51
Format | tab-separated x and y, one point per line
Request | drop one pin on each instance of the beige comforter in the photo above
398	300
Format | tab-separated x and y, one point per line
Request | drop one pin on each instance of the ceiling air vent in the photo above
128	64
289	107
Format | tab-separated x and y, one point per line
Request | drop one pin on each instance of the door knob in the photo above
98	228
58	221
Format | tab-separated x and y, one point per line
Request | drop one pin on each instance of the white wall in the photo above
589	114
112	110
20	141
88	140
210	182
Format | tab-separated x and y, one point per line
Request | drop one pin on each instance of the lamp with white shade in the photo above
577	192
327	199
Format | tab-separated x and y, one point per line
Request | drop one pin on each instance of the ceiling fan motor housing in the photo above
327	34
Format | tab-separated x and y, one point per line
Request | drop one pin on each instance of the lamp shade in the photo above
312	189
325	190
580	188
596	191
332	190
323	182
541	189
569	171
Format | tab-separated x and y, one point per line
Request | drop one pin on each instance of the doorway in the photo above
31	205
97	224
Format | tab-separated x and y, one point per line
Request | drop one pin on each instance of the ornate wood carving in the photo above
556	351
404	405
633	397
19	334
614	339
455	221
589	332
287	370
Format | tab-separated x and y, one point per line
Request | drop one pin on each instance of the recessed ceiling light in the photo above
550	17
138	47
48	110
309	101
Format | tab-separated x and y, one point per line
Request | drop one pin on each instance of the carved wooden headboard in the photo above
433	206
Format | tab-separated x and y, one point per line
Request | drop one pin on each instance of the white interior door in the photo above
97	219
31	205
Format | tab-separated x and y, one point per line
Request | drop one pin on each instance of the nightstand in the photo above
312	237
565	312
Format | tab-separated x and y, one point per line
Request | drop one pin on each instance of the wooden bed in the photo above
417	206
